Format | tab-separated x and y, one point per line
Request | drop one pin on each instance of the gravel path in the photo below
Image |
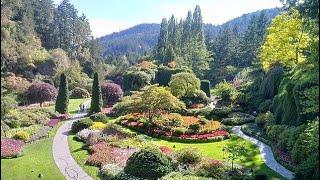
266	154
61	153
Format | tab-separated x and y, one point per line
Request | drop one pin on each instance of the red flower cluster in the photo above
104	153
53	122
192	106
206	136
283	156
63	117
165	150
11	147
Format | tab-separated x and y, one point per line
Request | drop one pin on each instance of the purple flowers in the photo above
53	122
11	147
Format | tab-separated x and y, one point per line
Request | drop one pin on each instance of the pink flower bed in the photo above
219	133
11	147
165	150
63	117
53	122
104	153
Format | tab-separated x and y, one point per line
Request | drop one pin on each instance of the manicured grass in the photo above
250	159
37	158
73	105
80	156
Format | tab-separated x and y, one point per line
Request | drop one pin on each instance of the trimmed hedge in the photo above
78	93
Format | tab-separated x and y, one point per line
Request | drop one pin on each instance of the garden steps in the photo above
266	154
62	155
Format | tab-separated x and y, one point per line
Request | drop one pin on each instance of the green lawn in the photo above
73	105
37	159
81	156
251	158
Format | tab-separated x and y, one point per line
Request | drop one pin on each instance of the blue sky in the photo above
107	16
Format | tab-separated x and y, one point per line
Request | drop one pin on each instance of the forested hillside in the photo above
143	37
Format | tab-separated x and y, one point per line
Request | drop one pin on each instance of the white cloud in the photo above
217	11
101	27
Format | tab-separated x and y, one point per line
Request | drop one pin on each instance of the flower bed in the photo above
176	127
103	153
11	148
53	122
63	117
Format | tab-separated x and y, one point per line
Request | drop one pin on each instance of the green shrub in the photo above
270	84
7	103
205	87
98	117
149	164
179	176
221	112
110	171
79	93
81	124
194	128
197	98
211	168
179	131
164	73
226	91
31	130
264	119
188	156
184	84
274	131
265	106
22	135
237	118
134	80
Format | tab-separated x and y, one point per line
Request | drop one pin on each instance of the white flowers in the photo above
83	134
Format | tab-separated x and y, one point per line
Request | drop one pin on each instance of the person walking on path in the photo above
80	107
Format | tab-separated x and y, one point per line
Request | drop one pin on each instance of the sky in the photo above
108	16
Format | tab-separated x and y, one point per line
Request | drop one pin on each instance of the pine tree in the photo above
162	41
96	101
62	101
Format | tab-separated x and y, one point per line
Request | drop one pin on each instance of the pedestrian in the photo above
80	107
83	107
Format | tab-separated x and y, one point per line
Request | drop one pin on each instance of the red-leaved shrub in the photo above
111	93
41	92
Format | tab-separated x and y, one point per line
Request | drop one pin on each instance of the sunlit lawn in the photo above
37	159
251	158
73	105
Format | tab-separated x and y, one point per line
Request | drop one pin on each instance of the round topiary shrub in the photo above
81	124
78	93
148	164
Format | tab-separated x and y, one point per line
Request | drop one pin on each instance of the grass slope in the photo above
80	156
37	158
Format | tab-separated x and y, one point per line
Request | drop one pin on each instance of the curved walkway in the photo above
266	154
61	153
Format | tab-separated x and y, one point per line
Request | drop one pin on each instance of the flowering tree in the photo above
41	92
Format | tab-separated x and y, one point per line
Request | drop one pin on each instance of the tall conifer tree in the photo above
96	101
62	101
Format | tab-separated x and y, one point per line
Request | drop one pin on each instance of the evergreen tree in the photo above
96	101
162	41
62	101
